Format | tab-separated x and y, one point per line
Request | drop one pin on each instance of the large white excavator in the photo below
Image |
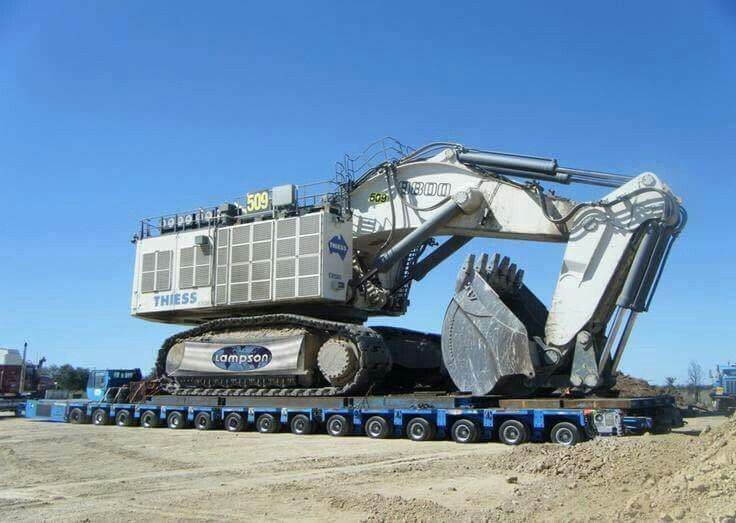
278	285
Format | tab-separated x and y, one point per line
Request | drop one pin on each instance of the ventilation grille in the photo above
156	271
194	266
308	286
223	257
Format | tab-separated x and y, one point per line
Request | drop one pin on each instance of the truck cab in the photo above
101	380
724	388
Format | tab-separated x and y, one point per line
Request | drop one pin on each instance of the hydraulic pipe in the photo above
538	169
437	256
444	214
624	340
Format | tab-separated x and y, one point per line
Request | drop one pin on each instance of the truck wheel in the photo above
419	429
123	418
301	424
465	431
234	422
76	416
513	432
176	420
100	417
565	433
338	425
149	419
377	427
267	424
203	421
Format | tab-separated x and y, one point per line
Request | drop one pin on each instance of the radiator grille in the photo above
241	234
309	244
260	291
156	271
261	271
308	286
240	273
286	248
286	228
239	293
286	268
285	289
186	277
261	251
262	231
241	253
308	265
309	224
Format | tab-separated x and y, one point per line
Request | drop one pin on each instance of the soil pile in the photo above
635	478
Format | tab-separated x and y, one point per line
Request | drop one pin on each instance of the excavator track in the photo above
373	356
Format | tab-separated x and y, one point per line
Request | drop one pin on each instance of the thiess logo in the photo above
338	245
238	358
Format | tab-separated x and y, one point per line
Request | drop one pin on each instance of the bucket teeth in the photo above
504	277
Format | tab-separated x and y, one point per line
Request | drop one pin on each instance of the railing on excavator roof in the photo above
353	167
308	196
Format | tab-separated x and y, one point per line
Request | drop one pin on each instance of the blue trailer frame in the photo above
486	424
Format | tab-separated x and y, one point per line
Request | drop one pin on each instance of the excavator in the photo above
277	286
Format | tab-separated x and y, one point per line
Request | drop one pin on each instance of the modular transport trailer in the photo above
418	417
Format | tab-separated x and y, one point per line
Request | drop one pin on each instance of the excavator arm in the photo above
497	335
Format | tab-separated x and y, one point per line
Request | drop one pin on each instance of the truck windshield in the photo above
729	372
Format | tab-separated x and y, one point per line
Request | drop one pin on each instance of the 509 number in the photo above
257	201
378	197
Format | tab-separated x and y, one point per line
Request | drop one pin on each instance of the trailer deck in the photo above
420	417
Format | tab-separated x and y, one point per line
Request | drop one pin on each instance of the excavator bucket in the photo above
485	346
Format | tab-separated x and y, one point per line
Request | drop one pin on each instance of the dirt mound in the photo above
642	478
636	387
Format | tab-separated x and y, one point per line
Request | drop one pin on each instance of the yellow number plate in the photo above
257	201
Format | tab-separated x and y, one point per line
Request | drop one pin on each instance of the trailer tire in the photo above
338	425
123	418
176	420
419	429
513	432
301	425
377	427
465	431
76	416
234	422
565	433
203	421
149	419
267	424
100	417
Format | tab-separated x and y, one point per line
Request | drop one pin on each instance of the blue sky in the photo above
111	111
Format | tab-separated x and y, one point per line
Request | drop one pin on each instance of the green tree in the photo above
67	376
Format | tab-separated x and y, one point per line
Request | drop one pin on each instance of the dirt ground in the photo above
52	471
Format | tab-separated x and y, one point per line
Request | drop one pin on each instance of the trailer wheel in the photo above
301	425
513	432
100	417
565	433
465	431
377	427
419	429
267	424
149	419
203	421
123	418
176	420
76	416
339	425
234	422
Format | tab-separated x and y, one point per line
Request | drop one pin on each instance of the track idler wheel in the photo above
337	359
